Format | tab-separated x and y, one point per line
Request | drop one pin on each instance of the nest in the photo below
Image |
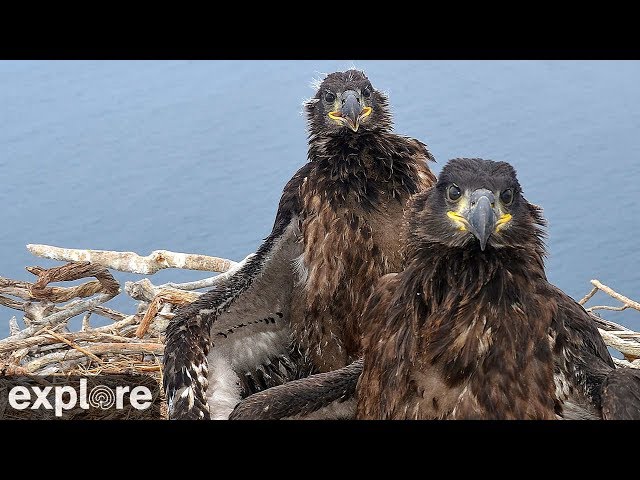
132	344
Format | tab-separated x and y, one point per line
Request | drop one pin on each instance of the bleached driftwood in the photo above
628	348
132	262
145	290
616	336
133	343
94	350
626	302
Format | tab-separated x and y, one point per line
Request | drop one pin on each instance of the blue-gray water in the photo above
192	156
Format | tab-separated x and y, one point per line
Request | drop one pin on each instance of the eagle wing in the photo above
579	347
235	339
329	395
621	395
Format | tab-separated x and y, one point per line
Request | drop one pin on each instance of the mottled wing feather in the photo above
316	396
580	346
621	395
242	323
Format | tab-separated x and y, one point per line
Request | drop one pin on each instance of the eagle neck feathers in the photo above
472	321
366	167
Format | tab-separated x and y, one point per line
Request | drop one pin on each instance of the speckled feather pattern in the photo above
462	333
345	207
352	211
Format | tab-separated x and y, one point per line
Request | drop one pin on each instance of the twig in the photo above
607	307
62	316
616	295
132	262
14	328
626	363
608	325
38	340
211	281
37	311
172	296
584	299
145	290
73	345
72	271
16	288
8	302
631	350
99	349
108	313
86	326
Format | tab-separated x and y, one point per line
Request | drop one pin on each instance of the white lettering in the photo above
120	391
60	403
83	394
41	398
19	398
140	398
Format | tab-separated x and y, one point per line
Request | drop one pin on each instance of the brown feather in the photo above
463	333
343	210
460	333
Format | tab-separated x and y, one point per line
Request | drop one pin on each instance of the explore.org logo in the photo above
91	397
66	397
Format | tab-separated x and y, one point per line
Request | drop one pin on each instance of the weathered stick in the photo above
132	262
99	349
608	324
62	316
90	336
48	295
108	313
584	299
607	307
8	302
16	288
14	328
145	290
626	363
72	271
73	345
631	350
116	327
616	295
172	296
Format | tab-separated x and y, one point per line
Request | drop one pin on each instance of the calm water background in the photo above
192	156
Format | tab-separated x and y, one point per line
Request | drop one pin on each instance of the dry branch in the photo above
166	296
615	336
39	340
72	271
72	345
99	349
631	350
62	316
145	290
609	291
132	262
14	328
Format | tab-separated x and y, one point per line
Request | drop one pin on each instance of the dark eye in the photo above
507	196
366	93
329	97
454	193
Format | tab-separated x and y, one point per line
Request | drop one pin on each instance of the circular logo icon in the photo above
101	397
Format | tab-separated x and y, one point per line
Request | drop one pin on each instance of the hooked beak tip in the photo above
482	220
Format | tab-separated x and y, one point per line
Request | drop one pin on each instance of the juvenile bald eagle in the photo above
471	328
292	308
